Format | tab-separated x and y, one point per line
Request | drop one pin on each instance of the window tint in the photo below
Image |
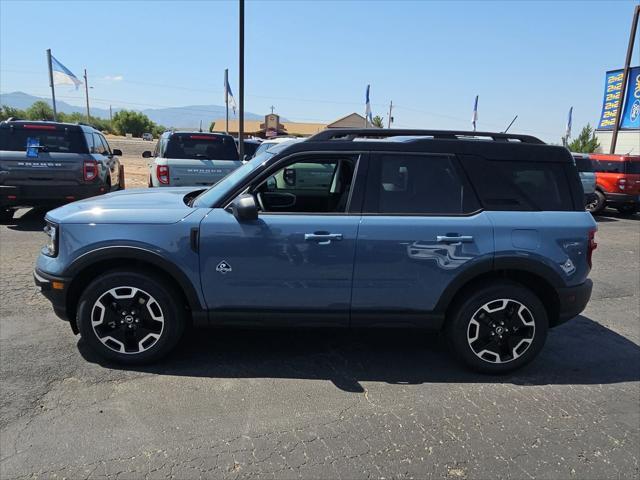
98	146
52	141
417	184
313	185
202	146
105	144
609	167
583	164
523	186
632	167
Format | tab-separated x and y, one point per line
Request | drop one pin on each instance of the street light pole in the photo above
241	82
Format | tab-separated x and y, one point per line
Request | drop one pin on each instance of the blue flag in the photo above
62	75
368	113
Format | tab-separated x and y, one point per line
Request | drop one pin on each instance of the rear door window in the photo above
605	166
202	147
632	167
50	140
417	185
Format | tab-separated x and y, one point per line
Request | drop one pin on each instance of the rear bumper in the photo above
573	300
44	195
54	289
620	199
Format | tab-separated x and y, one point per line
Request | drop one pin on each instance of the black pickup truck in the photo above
47	164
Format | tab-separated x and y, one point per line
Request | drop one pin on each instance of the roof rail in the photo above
350	134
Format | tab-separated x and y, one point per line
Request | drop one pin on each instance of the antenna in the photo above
508	127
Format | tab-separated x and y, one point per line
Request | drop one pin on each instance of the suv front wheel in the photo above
498	328
130	317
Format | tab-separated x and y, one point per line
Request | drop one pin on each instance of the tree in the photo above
7	112
377	121
586	141
135	123
39	110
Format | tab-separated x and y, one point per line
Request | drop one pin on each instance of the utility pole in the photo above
226	100
86	92
110	114
241	82
390	120
53	90
625	77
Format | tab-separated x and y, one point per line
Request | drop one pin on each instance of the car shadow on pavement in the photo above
614	216
580	352
29	221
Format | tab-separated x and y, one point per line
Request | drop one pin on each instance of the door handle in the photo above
322	238
454	239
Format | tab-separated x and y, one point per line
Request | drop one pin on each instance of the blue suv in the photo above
481	235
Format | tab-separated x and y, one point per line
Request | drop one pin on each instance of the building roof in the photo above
257	126
353	120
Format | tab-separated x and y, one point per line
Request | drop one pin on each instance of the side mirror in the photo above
146	154
244	208
117	152
290	176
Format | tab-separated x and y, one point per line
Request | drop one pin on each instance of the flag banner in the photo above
368	114
567	132
230	99
474	116
62	75
631	113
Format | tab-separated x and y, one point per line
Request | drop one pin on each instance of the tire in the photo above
6	214
628	209
139	335
598	204
474	330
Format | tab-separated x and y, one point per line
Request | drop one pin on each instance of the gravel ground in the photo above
321	404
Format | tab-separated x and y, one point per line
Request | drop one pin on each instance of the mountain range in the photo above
178	117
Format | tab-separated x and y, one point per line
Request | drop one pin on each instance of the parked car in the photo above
250	147
147	136
486	240
267	144
191	158
617	183
47	164
587	177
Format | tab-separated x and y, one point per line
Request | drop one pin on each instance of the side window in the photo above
105	144
609	167
312	185
417	184
98	146
89	139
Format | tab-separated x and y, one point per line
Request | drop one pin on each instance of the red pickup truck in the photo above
617	183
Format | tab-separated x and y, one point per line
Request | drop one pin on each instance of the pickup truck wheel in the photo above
6	214
130	317
121	184
597	204
498	328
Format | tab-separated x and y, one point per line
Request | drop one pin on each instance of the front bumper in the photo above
55	290
47	195
622	199
573	300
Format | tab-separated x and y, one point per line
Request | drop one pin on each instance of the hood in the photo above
146	206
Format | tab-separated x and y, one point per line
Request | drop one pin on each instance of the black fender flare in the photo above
140	254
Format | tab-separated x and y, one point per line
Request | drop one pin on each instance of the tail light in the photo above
162	172
90	170
622	183
592	245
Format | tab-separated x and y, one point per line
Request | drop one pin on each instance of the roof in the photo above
79	126
353	120
257	126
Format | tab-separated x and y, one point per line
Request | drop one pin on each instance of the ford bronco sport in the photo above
481	235
44	164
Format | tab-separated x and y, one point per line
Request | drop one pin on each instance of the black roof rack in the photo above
350	134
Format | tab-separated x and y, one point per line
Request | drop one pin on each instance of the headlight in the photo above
51	249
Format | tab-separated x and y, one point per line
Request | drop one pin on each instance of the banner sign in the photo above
611	102
631	112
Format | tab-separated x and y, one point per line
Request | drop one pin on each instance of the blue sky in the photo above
312	60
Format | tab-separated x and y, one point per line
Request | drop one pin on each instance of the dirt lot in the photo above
136	168
232	404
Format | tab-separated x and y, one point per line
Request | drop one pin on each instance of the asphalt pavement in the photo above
333	404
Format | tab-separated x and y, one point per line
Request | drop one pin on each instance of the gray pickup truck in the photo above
191	159
47	164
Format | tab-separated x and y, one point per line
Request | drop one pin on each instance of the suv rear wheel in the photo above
597	204
498	328
130	317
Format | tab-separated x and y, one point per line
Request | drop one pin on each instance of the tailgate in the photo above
199	172
59	168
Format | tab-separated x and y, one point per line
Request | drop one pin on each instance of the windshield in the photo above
211	196
45	140
202	146
264	147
